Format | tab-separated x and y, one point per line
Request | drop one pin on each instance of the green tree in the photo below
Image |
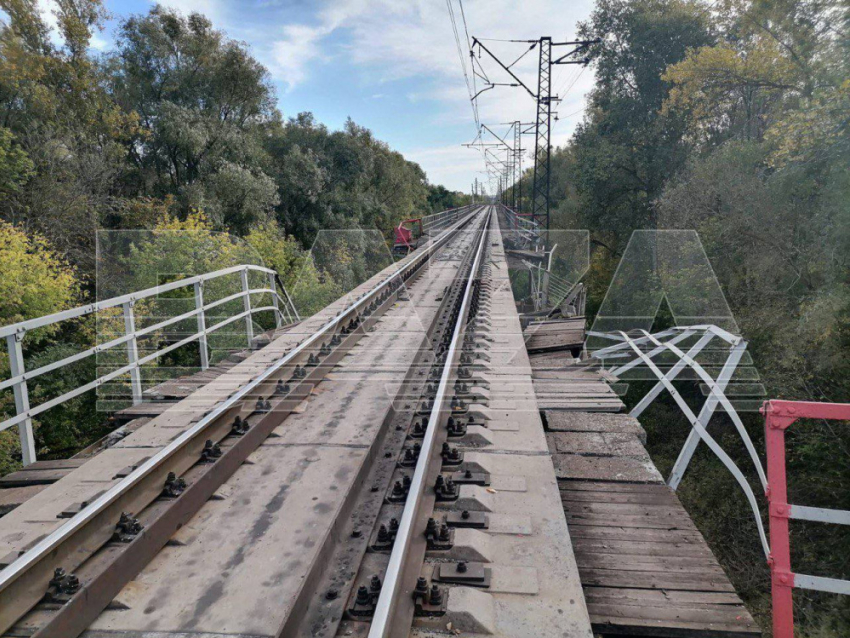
625	150
53	101
15	165
35	282
203	103
340	179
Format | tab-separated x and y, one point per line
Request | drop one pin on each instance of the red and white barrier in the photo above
779	416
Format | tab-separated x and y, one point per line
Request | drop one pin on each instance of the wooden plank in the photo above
578	422
53	464
562	359
642	522
151	409
11	497
32	477
653	580
615	510
659	564
638	498
574	387
40	473
596	444
620	548
566	375
657	597
625	469
694	623
582	405
615	486
698	615
643	535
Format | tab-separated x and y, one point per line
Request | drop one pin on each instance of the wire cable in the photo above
462	56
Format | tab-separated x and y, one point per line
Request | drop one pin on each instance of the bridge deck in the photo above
645	568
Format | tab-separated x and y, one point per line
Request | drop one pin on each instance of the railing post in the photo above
132	351
246	300
781	576
273	286
203	346
22	397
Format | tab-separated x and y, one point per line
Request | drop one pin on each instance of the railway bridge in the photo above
398	464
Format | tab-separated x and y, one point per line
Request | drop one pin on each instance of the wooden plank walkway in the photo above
645	568
562	333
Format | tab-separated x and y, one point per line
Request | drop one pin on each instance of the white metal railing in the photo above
641	351
443	219
282	307
522	230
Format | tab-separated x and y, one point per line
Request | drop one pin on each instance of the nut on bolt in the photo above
420	592
173	486
239	427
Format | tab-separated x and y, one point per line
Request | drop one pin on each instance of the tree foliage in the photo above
35	281
625	150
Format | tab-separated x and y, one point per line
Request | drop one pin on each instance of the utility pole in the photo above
519	129
509	167
518	166
542	136
540	202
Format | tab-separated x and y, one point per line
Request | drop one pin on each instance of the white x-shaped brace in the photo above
631	347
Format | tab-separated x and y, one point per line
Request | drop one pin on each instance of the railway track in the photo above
329	485
377	470
78	576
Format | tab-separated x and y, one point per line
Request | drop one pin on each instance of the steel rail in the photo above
391	589
50	544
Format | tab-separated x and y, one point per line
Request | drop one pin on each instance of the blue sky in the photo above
393	66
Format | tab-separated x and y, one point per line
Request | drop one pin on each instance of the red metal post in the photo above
782	578
779	415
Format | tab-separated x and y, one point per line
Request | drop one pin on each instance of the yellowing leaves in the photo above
719	84
817	128
35	280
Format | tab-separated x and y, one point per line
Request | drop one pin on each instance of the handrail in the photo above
698	423
778	417
706	333
73	313
437	221
282	307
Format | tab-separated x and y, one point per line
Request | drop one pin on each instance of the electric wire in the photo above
462	56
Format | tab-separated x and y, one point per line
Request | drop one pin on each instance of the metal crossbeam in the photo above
716	396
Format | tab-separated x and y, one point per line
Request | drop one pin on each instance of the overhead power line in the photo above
544	98
461	54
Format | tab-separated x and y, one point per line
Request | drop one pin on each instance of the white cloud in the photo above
98	42
448	165
292	54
